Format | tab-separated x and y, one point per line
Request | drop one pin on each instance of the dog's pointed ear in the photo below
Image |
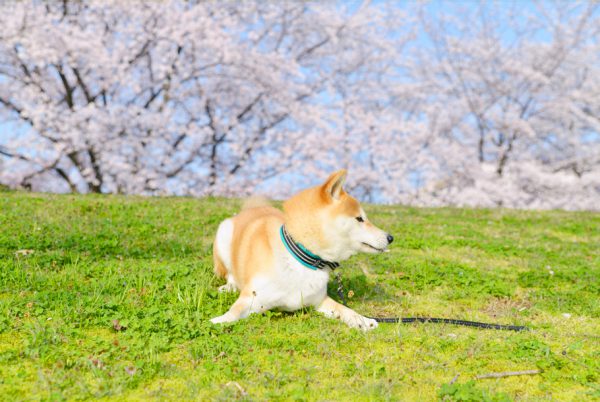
332	189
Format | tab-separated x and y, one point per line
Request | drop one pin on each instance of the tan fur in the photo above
301	221
252	242
259	265
219	267
256	201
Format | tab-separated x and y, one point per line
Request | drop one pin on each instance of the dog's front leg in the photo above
245	305
332	309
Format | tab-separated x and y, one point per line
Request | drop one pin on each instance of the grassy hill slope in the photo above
107	296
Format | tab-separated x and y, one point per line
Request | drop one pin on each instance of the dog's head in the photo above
331	223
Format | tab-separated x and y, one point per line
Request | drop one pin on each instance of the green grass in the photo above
115	297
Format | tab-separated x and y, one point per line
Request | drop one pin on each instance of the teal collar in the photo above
302	255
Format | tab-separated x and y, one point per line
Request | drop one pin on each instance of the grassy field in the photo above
109	296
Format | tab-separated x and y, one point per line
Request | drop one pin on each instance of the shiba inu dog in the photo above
282	260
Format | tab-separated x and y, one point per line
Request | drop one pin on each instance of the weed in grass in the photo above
469	392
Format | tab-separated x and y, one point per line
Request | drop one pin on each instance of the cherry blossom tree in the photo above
488	105
177	97
510	98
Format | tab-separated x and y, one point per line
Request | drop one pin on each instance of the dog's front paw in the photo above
222	318
229	287
217	320
362	323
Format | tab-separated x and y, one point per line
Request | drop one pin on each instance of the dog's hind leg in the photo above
222	255
222	272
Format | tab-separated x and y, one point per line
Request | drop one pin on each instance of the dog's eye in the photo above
360	219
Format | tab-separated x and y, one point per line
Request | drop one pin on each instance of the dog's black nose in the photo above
390	238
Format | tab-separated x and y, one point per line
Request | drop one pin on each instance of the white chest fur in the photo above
291	286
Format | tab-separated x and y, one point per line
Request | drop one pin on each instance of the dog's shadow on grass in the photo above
358	288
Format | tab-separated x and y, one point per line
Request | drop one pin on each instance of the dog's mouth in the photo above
379	250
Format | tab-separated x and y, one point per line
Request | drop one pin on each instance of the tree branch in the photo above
68	88
17	110
507	374
212	178
95	187
52	166
248	151
88	97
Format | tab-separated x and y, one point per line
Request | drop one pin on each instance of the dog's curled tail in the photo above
256	201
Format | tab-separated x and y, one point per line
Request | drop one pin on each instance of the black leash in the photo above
408	320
